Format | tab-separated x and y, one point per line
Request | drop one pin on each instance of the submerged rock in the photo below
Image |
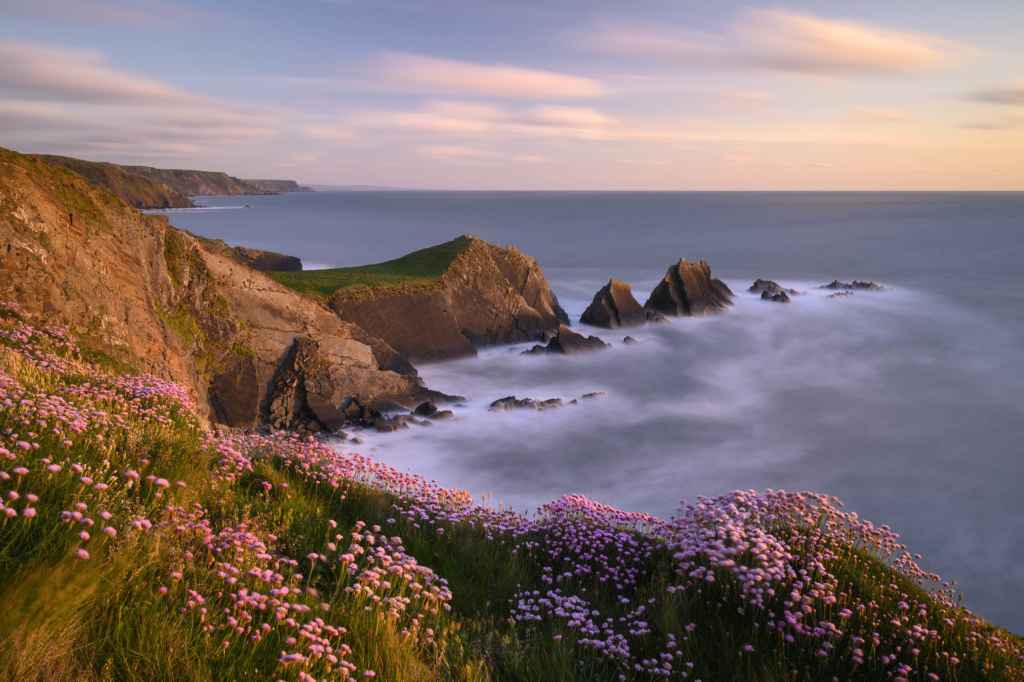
511	402
771	286
568	342
855	285
689	289
614	306
629	340
840	294
425	409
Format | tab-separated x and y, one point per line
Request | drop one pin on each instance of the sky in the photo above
528	94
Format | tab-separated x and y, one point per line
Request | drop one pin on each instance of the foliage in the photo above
137	544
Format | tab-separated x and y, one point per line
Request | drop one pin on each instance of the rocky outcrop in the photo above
689	289
760	286
487	295
266	261
140	293
614	306
567	342
776	296
855	285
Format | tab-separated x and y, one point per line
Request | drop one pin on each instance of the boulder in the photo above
511	402
771	286
629	340
614	306
425	409
689	289
778	296
568	342
855	285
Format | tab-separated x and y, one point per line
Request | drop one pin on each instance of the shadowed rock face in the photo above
568	342
614	306
689	289
163	302
488	295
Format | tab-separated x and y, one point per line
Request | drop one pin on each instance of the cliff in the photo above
444	301
143	295
134	189
147	187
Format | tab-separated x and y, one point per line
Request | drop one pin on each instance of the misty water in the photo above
908	404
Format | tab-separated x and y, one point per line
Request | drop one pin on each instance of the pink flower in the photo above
82	554
28	512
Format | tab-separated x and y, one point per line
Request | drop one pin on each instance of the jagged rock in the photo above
487	295
855	285
425	409
771	286
777	296
840	294
688	289
442	414
629	340
614	306
592	395
568	342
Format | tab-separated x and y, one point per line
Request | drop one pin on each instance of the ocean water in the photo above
908	404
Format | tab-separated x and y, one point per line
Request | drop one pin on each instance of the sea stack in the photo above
614	306
689	289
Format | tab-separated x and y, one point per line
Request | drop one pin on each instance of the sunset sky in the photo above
527	94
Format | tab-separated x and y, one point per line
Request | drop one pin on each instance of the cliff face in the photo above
487	295
147	187
134	189
142	294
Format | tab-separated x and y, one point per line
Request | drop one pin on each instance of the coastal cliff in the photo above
444	301
154	188
141	294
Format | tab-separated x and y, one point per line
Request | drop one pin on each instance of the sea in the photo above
907	403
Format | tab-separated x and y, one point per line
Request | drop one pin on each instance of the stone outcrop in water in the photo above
776	296
144	296
567	342
614	306
689	289
760	286
486	295
855	285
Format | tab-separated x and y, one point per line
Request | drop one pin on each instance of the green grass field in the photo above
419	267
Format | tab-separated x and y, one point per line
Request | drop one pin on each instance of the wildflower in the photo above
82	553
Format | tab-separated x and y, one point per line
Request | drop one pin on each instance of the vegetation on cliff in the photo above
419	267
147	187
137	544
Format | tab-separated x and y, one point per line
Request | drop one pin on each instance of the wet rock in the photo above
689	289
778	296
614	306
629	340
855	285
511	402
771	286
443	414
425	409
568	342
592	395
840	294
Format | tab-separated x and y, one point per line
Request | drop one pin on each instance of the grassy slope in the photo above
135	190
419	267
104	618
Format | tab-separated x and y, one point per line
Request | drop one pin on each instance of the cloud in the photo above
58	100
77	76
1002	124
468	119
1011	95
781	40
94	12
420	73
329	132
474	155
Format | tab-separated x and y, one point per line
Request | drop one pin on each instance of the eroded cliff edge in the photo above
144	295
